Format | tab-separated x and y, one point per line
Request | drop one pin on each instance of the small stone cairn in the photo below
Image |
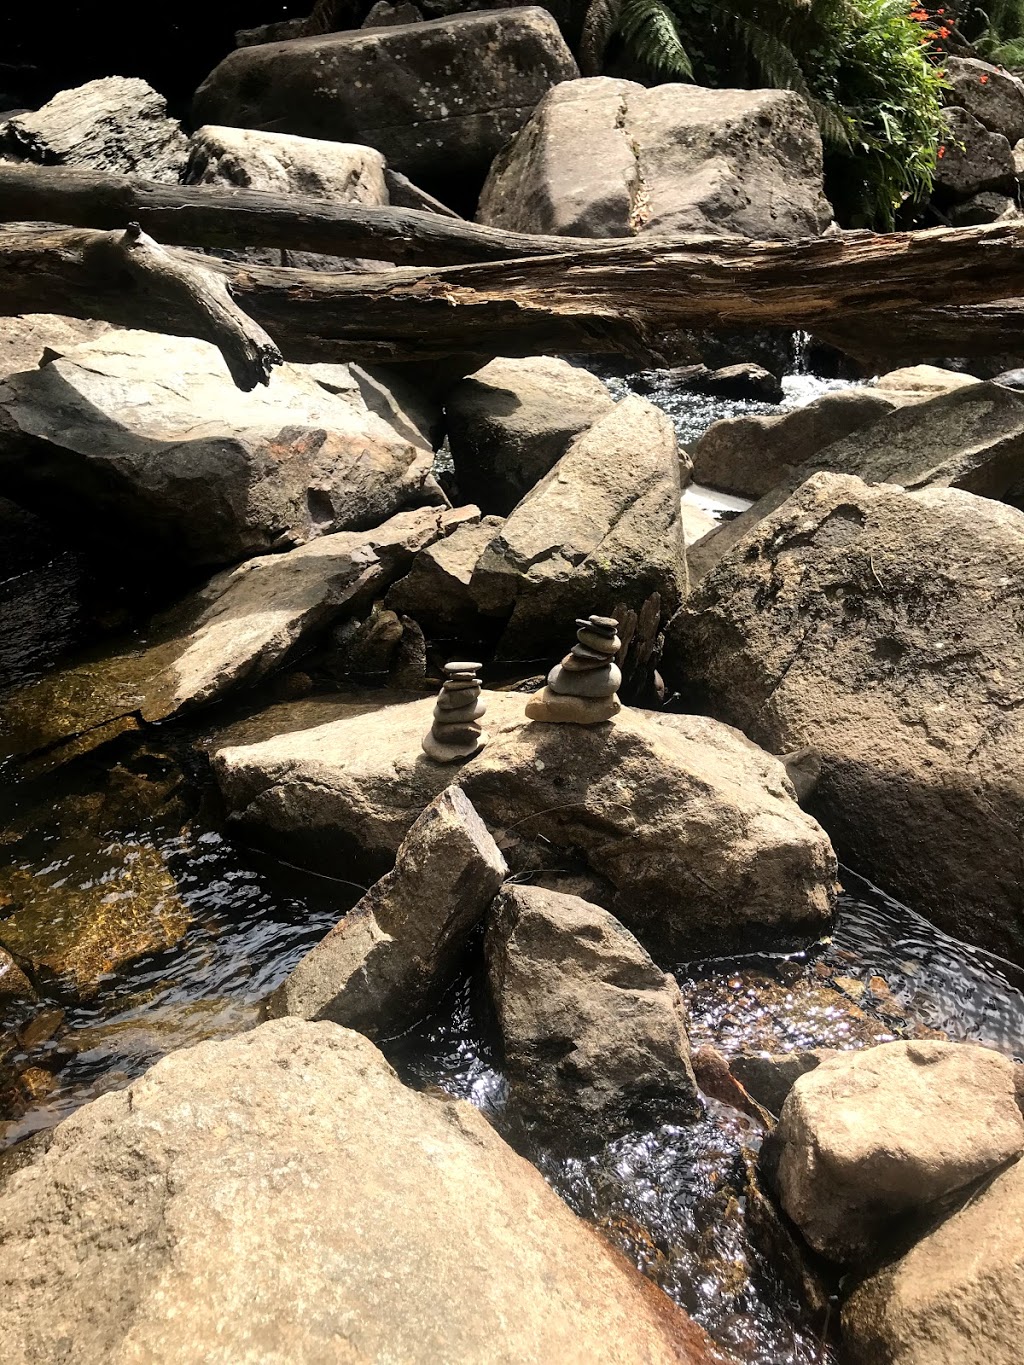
456	731
582	688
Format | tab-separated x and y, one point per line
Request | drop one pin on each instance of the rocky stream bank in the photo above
374	985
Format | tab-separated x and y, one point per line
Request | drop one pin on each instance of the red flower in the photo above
982	79
942	152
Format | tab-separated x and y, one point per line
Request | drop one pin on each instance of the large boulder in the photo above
881	628
593	1034
393	954
436	591
601	529
279	163
144	439
610	158
117	125
958	1295
692	829
971	158
992	95
511	421
867	1139
283	1197
971	436
438	99
231	633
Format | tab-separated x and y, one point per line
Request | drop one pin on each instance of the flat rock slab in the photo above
882	629
283	1197
390	958
232	633
593	1033
694	829
438	99
143	441
602	528
609	158
869	1138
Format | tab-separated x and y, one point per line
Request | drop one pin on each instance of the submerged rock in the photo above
602	529
513	420
117	125
231	633
593	1033
958	1295
144	440
693	829
327	1212
882	629
438	99
14	984
868	1139
389	959
609	158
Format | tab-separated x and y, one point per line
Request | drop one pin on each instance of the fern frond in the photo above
600	22
775	58
649	30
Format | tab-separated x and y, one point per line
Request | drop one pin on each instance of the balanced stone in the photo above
604	625
608	645
454	733
594	683
555	706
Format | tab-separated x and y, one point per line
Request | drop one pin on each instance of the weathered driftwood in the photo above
634	297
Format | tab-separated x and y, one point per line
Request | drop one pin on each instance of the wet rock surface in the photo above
880	628
593	1034
288	1146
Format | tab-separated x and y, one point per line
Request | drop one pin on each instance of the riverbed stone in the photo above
958	1295
881	628
382	966
328	1213
115	125
513	420
234	631
972	158
602	529
992	95
438	99
593	1034
603	157
971	436
869	1138
145	439
280	163
14	984
693	829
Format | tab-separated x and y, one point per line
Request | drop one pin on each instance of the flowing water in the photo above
233	922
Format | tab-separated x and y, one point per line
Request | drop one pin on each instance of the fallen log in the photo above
635	297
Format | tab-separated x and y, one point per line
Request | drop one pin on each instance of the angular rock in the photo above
117	125
270	33
694	830
991	206
958	1295
25	339
609	158
744	380
513	420
972	158
970	437
749	456
438	99
769	1078
149	436
383	965
881	628
383	14
328	1213
72	936
14	984
602	529
593	1033
435	591
279	163
869	1138
992	95
231	633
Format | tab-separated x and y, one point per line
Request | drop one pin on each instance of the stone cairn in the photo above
582	688
456	731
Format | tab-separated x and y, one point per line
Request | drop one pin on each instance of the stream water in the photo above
235	922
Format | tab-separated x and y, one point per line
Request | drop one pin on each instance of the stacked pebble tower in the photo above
582	688
456	731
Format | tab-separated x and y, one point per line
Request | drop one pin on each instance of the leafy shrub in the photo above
866	68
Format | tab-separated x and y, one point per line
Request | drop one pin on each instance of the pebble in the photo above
466	733
608	645
554	706
462	668
451	753
595	683
455	715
